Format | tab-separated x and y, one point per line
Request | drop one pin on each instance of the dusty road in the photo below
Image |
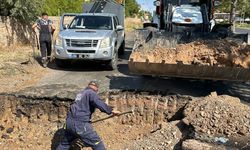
242	30
80	73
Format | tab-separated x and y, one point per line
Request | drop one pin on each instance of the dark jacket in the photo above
45	29
85	104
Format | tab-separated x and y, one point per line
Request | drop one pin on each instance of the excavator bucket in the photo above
199	56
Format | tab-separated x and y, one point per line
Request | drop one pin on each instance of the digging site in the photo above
34	117
183	84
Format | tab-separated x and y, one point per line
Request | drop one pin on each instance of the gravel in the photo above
218	115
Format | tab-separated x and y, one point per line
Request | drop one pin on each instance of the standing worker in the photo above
46	30
78	122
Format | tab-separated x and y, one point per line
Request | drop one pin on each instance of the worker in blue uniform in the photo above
78	122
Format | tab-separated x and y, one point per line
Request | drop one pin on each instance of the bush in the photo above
22	10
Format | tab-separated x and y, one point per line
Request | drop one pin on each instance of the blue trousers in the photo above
84	131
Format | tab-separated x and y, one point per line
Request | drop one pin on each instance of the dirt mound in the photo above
218	115
224	52
165	139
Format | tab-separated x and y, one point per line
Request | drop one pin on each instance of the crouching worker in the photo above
78	122
46	30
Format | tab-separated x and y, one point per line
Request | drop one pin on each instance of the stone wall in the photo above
14	32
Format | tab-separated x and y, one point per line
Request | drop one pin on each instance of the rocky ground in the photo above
168	136
213	122
215	115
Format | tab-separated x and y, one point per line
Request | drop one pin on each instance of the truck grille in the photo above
81	43
82	51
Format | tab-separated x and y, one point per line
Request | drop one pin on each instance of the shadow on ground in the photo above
84	66
158	84
59	135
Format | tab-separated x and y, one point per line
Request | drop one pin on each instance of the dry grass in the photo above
15	53
18	68
243	25
132	23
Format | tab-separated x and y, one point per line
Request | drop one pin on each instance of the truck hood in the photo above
85	34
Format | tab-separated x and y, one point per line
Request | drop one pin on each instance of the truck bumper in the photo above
83	53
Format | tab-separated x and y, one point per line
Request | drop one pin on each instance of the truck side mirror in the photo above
65	26
119	28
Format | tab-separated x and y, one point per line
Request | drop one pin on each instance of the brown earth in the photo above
40	134
36	124
159	122
18	68
225	52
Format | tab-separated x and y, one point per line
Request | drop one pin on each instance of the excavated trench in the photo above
35	122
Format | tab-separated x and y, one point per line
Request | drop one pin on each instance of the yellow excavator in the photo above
180	21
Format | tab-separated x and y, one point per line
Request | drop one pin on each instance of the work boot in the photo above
44	62
50	59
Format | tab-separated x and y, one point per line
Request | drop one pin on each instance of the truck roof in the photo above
96	14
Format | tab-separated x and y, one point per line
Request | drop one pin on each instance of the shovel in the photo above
111	116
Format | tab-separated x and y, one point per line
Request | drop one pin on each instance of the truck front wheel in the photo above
122	48
112	64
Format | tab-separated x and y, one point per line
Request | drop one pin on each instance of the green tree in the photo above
57	7
23	10
142	12
131	8
243	6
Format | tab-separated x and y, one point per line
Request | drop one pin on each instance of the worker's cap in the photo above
94	83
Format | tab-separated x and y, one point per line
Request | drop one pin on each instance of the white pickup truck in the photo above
91	36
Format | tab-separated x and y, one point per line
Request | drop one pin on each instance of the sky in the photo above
147	5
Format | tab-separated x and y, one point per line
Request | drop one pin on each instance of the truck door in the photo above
120	31
66	20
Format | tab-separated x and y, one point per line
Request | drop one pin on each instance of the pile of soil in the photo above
224	52
218	115
212	122
167	138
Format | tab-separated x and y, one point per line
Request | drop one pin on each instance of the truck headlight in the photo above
59	41
105	43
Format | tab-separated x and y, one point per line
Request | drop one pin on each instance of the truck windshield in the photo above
92	22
